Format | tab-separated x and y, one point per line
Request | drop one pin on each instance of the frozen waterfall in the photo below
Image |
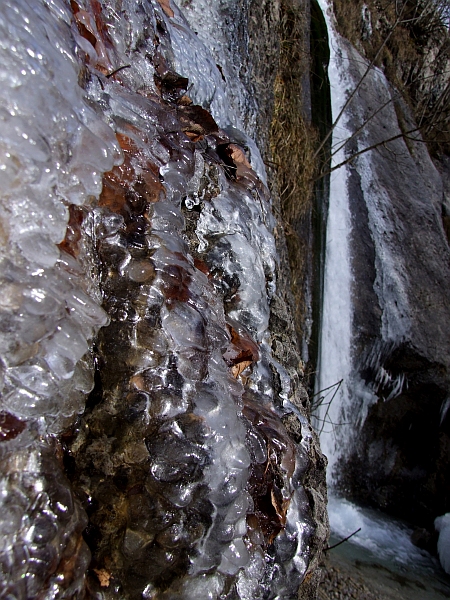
152	445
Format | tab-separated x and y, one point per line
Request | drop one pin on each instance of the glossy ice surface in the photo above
130	221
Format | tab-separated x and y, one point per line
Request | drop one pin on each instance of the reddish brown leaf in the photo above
10	426
101	26
176	282
280	504
113	195
73	231
185	101
242	347
194	137
135	176
201	266
154	189
237	369
165	5
196	119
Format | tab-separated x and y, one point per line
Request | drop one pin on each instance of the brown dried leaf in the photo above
237	369
201	266
126	143
100	22
154	189
94	30
196	119
165	5
185	101
194	137
113	194
280	504
242	347
136	174
176	280
238	156
103	577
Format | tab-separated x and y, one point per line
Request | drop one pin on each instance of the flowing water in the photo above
334	364
382	556
343	397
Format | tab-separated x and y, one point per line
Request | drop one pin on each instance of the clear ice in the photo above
139	414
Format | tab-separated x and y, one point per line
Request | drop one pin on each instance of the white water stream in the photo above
334	363
343	396
338	412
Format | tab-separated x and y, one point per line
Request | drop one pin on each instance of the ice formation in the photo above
137	266
442	525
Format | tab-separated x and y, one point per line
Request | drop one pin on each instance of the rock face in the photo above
394	439
154	434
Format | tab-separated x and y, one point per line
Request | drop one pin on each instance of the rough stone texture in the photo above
253	44
285	343
338	584
348	574
400	262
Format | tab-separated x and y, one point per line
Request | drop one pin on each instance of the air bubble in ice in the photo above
140	271
237	509
237	553
39	301
234	454
36	379
191	202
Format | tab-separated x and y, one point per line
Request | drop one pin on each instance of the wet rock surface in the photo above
153	357
400	262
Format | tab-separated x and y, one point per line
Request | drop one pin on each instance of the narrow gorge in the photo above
385	333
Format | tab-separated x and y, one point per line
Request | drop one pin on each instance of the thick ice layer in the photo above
191	485
53	150
205	17
216	79
41	525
